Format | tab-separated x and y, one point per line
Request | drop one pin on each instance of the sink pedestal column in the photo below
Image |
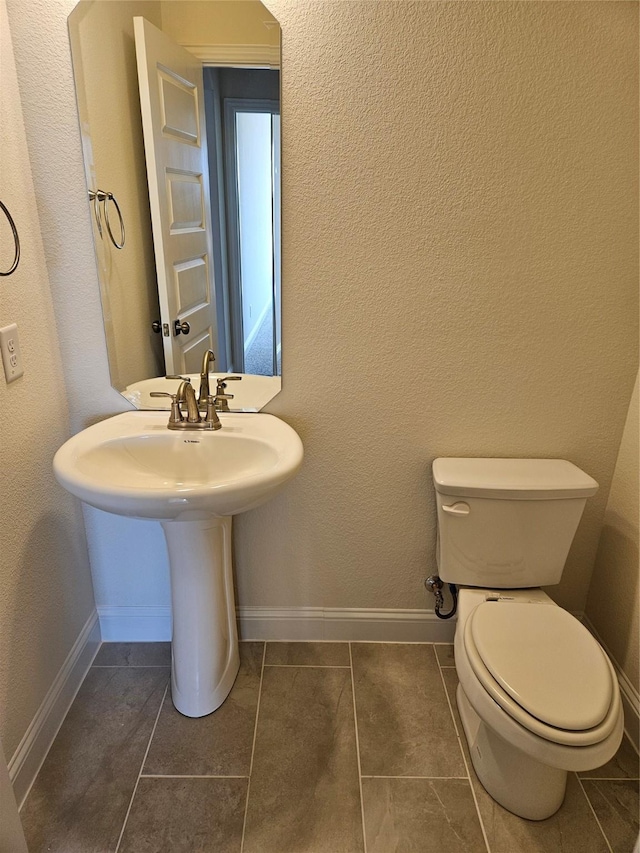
204	646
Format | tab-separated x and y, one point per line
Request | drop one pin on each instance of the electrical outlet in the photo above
11	358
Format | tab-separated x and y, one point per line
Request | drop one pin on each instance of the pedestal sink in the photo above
192	482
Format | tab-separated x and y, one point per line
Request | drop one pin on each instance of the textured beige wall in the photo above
460	271
460	275
104	64
614	595
45	585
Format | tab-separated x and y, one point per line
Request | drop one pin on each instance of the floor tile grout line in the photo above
608	778
144	758
307	665
460	735
433	778
593	812
253	748
355	728
187	776
131	666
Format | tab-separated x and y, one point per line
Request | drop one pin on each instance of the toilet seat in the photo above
543	668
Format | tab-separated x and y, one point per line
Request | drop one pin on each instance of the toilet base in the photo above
521	784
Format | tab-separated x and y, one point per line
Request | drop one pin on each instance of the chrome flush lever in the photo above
458	508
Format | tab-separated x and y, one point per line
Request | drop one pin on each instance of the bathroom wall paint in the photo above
460	268
46	595
613	603
460	277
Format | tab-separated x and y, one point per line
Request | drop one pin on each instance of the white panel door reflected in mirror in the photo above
201	205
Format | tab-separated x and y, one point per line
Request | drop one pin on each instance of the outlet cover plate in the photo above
11	357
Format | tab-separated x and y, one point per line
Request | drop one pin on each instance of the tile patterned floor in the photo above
319	748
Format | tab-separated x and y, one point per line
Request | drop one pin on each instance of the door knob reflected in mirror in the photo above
181	328
159	326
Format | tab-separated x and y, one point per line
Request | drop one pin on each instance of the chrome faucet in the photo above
186	396
207	360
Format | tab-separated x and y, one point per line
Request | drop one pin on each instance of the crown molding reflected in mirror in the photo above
179	117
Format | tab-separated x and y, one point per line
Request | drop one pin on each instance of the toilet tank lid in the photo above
512	479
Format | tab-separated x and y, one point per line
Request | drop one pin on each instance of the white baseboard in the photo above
135	624
34	746
337	623
630	703
628	693
153	624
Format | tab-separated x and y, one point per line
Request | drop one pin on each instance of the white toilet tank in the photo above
507	523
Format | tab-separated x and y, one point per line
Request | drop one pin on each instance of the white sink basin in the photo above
133	465
192	481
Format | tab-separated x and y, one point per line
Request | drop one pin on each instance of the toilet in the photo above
537	696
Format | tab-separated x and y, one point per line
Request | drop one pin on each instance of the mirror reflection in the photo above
179	108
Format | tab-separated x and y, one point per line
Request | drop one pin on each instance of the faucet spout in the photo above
187	395
207	360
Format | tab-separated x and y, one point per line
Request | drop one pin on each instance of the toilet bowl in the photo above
537	697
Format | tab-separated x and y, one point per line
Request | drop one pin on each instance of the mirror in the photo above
179	112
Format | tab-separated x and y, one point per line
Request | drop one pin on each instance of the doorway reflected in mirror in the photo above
245	104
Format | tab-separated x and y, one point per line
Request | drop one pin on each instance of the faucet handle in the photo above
222	399
221	384
183	378
176	415
211	419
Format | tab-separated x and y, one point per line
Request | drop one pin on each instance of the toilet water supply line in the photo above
434	585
